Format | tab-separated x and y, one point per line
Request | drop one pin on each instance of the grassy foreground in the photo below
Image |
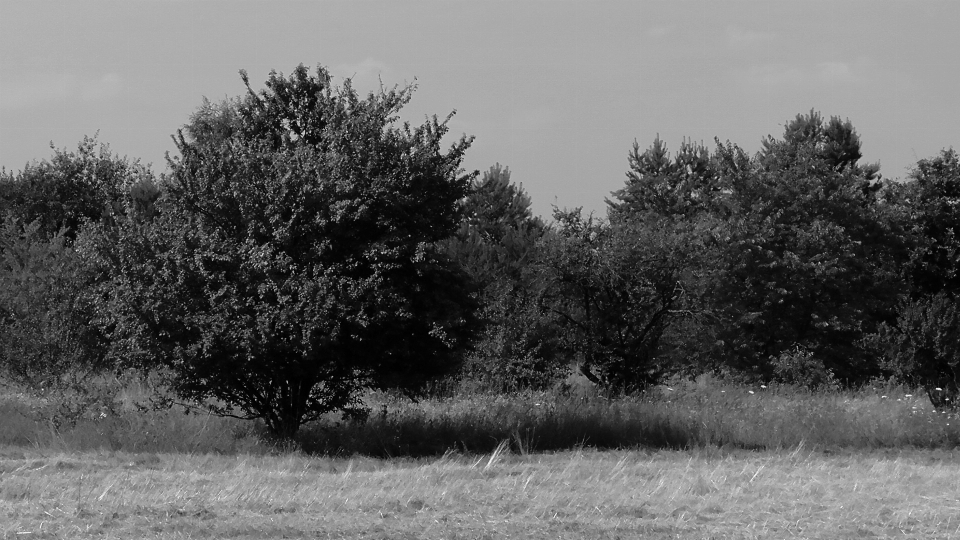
707	493
690	460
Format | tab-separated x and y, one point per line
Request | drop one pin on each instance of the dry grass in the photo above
709	493
685	415
694	460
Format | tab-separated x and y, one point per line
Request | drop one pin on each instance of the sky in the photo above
556	90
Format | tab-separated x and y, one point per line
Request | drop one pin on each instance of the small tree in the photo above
293	262
71	188
46	339
497	245
923	347
49	343
932	198
616	288
680	187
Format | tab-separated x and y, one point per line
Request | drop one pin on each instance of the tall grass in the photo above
700	414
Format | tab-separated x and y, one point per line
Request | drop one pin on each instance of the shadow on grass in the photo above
481	423
702	414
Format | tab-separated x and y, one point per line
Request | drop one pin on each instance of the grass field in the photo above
706	493
693	460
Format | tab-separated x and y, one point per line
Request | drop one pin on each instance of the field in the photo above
574	494
699	461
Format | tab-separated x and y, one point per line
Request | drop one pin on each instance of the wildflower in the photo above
883	397
763	386
908	395
938	389
750	392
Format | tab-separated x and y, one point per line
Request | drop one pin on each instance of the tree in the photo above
932	198
834	144
680	188
812	261
617	286
498	235
46	339
686	198
497	246
923	345
294	261
48	342
71	188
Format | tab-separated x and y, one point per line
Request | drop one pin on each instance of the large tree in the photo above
812	260
803	256
294	260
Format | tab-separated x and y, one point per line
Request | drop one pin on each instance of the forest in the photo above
304	248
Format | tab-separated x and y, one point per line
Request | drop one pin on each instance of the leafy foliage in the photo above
834	144
71	188
616	287
44	335
923	347
293	261
923	344
497	246
48	344
933	200
680	188
802	255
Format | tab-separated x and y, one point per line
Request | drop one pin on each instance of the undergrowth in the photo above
685	414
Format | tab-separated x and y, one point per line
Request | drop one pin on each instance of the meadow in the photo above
690	460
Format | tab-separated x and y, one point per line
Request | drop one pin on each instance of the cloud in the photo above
23	91
738	37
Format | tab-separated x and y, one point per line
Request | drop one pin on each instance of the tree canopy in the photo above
294	259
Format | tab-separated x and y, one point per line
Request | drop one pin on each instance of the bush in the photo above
799	367
924	346
47	342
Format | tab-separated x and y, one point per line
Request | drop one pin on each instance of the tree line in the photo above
305	246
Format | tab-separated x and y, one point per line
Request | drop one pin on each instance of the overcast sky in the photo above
555	90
